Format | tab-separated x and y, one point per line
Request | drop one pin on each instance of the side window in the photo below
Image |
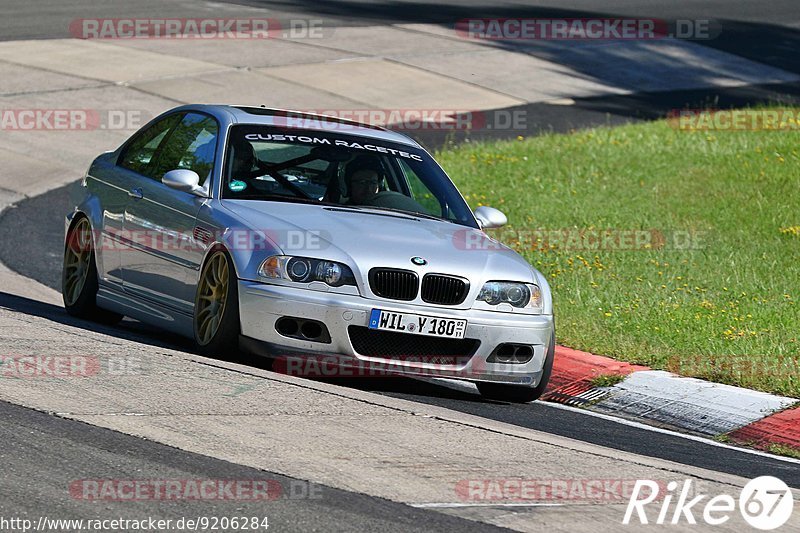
420	192
192	145
139	153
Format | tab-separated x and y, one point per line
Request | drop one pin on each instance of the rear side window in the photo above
192	145
140	152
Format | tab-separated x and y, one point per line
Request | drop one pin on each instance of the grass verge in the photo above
675	249
607	380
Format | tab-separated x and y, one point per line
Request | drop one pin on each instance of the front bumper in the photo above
261	305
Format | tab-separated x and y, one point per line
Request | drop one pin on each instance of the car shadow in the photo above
608	111
643	79
128	329
764	42
405	387
135	331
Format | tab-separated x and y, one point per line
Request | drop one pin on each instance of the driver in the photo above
363	178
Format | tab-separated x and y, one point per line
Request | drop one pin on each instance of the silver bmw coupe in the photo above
305	238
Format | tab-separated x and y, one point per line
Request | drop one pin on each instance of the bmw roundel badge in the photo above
418	261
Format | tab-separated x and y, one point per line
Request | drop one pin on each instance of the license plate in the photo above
417	324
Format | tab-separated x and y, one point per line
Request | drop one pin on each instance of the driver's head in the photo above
363	176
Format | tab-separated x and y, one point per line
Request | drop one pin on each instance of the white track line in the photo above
459	505
695	438
468	387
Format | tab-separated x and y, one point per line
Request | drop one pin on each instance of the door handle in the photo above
136	193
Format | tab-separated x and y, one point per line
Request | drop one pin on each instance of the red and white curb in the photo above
670	401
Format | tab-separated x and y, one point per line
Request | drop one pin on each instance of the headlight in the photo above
519	295
306	270
299	269
330	272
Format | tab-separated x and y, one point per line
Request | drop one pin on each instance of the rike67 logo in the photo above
765	503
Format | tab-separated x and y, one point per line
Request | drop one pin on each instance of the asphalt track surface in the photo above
767	32
32	244
42	455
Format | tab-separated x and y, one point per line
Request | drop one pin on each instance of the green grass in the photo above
607	380
781	449
777	449
724	308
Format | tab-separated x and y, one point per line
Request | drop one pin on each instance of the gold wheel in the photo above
77	255
211	297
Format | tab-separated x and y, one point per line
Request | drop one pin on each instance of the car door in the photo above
164	260
114	178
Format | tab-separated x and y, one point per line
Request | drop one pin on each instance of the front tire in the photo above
518	393
79	283
216	307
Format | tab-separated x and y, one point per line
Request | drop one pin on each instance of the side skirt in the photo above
149	312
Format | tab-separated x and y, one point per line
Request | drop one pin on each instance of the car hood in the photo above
364	238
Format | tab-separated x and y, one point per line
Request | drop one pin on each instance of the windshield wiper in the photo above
341	207
402	211
278	198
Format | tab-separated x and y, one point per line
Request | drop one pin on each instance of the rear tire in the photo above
79	283
216	308
518	393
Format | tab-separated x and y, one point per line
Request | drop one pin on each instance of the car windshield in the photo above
273	164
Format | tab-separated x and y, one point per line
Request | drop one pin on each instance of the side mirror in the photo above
489	217
182	180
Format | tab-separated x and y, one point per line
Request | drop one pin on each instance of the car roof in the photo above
300	120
